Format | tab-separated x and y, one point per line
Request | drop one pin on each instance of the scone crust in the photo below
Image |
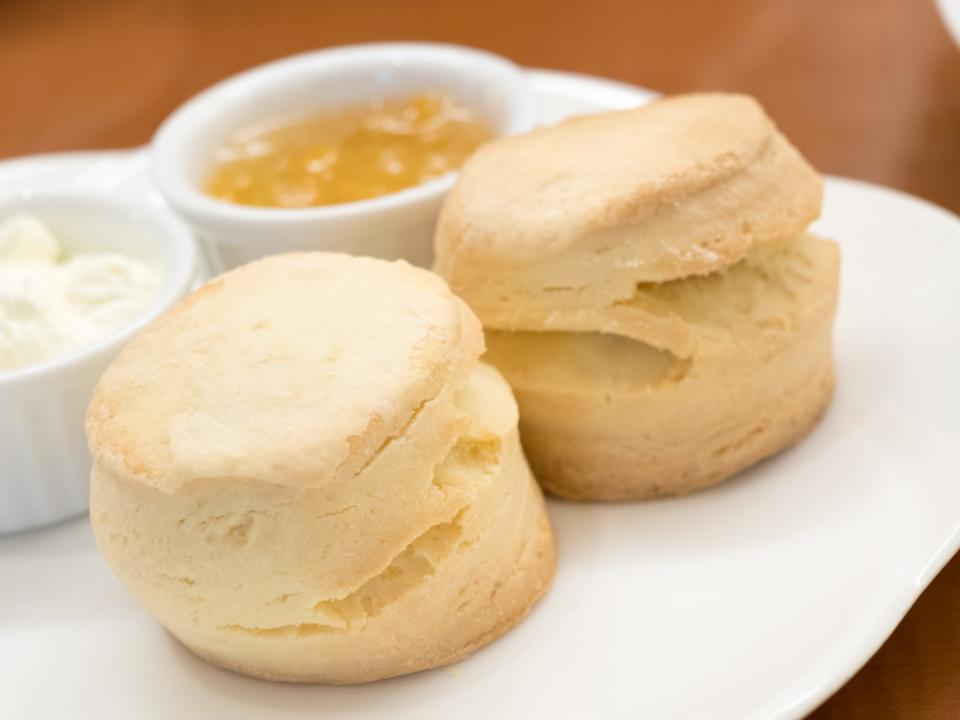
276	371
542	227
638	225
305	474
760	379
507	603
610	468
402	568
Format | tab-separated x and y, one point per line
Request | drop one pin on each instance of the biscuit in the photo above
607	417
648	289
305	474
552	229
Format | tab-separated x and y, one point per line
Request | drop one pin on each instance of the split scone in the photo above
649	290
306	475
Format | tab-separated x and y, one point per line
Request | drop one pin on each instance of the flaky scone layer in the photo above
294	370
553	229
607	417
305	474
280	582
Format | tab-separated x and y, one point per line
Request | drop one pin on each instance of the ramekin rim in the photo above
192	202
176	282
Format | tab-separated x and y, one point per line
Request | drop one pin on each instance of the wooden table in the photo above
865	88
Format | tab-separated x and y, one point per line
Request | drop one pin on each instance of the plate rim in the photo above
842	665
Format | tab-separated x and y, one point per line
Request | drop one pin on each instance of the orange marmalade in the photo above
351	154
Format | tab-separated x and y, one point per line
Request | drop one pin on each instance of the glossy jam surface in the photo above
342	156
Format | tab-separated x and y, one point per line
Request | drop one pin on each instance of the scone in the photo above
649	290
305	474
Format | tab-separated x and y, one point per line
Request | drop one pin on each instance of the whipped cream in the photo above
51	305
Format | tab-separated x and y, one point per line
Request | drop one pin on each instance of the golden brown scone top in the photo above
293	370
584	210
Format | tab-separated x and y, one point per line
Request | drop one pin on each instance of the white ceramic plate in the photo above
950	13
755	599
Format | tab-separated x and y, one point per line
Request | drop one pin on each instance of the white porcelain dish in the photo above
392	226
950	14
756	599
44	463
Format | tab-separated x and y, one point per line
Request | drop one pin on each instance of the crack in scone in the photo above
659	333
473	456
413	565
547	360
305	498
417	411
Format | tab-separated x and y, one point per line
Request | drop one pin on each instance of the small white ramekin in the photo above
44	461
399	225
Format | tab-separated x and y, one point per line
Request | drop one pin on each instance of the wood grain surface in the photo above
865	88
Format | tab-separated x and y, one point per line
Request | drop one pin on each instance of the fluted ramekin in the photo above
398	225
44	461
